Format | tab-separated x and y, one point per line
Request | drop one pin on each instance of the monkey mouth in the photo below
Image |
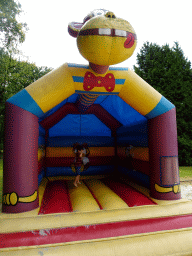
130	37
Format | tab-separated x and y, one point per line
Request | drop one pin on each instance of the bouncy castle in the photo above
129	200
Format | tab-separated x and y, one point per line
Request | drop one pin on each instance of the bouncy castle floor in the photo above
104	215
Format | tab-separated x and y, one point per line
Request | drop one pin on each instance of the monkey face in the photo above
103	39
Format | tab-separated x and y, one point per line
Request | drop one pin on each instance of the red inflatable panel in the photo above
140	165
68	108
129	195
41	164
104	117
99	231
56	198
67	161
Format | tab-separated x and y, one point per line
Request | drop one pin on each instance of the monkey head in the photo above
104	39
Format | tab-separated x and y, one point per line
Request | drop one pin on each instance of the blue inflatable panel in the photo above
24	100
118	68
67	171
41	141
40	176
162	107
137	176
68	126
137	129
134	140
74	65
67	141
79	125
41	130
121	111
100	99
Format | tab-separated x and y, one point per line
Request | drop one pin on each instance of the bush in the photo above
185	153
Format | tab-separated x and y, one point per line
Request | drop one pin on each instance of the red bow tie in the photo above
91	81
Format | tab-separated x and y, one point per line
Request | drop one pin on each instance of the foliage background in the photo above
15	75
169	72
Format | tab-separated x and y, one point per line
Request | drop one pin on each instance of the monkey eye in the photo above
110	15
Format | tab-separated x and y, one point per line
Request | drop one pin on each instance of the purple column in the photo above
163	156
20	174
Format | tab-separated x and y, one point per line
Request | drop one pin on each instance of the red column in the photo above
20	174
163	157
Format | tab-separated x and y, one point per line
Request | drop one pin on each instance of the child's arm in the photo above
86	148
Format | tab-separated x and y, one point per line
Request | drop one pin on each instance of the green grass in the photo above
1	164
185	171
1	179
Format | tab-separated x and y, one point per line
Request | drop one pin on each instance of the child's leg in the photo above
77	178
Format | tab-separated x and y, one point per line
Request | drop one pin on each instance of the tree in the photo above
169	72
11	31
14	76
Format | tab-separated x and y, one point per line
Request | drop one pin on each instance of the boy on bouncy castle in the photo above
81	160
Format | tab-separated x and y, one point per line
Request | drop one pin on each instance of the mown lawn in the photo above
1	164
185	171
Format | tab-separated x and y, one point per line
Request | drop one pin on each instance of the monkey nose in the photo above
110	15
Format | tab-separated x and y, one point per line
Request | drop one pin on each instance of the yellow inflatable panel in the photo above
41	153
81	198
139	94
52	88
121	151
102	151
140	153
59	152
80	73
106	197
68	151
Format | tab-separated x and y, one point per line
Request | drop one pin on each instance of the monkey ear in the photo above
74	28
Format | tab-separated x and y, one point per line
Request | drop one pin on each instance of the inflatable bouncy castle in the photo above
128	201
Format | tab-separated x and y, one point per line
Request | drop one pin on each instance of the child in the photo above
78	162
86	153
81	161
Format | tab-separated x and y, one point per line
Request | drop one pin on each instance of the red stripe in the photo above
104	117
129	195
140	165
136	164
41	164
68	108
56	198
78	161
67	161
99	231
59	161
